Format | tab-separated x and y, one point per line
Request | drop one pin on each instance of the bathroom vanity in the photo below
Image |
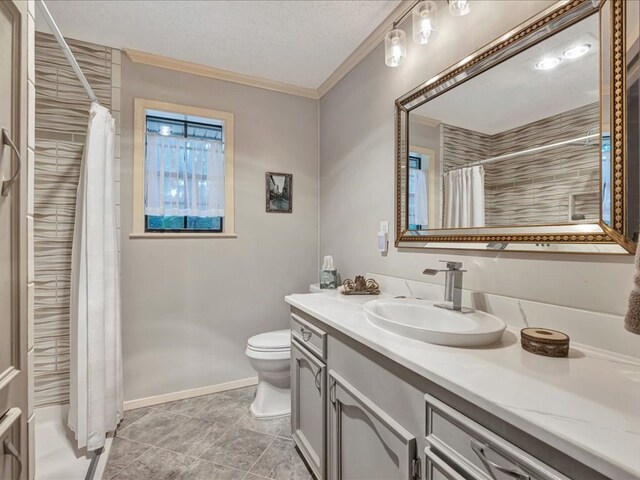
498	153
369	404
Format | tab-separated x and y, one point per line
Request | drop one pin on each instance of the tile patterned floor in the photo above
213	437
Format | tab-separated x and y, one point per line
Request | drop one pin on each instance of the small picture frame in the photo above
279	190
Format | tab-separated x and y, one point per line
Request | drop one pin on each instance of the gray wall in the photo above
357	177
189	305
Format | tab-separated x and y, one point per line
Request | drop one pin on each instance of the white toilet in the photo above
270	355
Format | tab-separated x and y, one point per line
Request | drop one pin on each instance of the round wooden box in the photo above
542	341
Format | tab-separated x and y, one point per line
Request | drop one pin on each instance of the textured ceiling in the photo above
296	42
514	93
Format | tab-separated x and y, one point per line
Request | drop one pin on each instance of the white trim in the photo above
194	392
363	49
160	61
141	105
168	235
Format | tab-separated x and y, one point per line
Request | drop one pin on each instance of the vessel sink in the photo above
422	320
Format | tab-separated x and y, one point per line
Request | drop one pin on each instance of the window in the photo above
183	171
421	202
606	179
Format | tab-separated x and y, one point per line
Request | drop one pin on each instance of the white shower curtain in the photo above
96	356
184	177
464	198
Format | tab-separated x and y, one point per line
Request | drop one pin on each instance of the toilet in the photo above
269	354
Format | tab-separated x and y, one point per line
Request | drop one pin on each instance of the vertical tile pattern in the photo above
535	189
61	116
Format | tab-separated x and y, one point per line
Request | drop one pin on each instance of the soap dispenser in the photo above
328	274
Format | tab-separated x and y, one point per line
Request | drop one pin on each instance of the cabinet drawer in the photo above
438	469
476	451
309	335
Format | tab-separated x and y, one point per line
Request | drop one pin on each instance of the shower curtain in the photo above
464	198
96	357
191	170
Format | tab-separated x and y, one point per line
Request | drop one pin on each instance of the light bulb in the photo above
548	63
424	20
395	48
577	51
459	8
396	53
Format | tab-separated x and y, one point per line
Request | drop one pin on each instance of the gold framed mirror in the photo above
530	143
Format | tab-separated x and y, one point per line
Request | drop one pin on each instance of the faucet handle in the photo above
452	265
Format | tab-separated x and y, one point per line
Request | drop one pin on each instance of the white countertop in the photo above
586	405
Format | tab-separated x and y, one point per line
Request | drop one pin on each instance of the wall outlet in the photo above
384	226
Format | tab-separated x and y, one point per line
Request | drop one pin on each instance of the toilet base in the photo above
273	399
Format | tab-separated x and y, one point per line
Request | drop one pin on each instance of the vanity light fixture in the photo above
395	47
548	63
425	26
459	8
577	51
425	22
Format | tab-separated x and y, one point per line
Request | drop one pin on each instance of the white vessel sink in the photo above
422	320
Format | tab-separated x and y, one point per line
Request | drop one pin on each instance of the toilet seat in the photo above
276	341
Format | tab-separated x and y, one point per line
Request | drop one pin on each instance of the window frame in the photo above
141	105
434	179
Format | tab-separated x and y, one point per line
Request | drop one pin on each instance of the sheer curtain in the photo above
419	211
464	198
184	177
96	352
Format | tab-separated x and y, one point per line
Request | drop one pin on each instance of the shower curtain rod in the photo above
524	152
67	51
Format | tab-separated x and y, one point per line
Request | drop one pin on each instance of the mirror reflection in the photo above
518	145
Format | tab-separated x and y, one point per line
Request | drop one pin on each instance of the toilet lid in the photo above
276	340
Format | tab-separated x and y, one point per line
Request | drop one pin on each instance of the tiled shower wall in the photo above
536	188
62	112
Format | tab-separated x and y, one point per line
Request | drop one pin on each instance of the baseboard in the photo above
194	392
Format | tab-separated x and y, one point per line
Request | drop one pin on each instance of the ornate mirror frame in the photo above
580	238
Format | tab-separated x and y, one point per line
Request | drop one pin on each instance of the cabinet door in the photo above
365	442
308	407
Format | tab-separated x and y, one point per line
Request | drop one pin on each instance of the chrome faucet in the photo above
452	286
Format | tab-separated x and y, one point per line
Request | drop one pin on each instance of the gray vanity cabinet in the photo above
358	415
455	443
365	442
308	407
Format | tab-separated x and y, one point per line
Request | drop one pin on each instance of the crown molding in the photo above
345	67
169	63
364	48
422	120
